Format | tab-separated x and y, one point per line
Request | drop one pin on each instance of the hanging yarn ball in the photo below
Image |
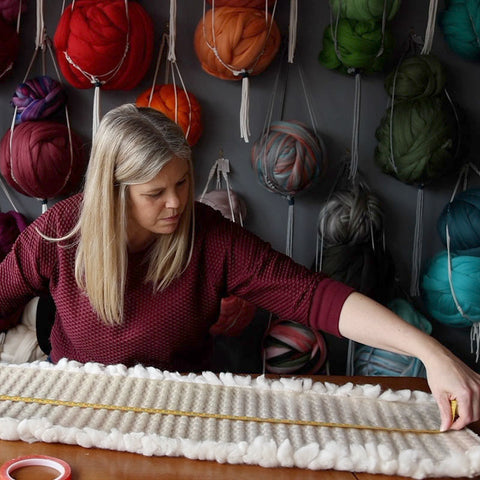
9	9
11	225
241	3
460	23
39	162
350	217
235	315
437	293
416	77
38	98
180	106
365	9
375	361
290	347
99	39
462	215
369	270
9	47
220	200
424	137
235	312
288	158
232	40
352	45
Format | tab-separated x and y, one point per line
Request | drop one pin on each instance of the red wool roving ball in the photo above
40	161
106	41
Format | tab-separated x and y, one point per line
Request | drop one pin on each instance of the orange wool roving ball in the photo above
241	3
245	41
180	106
106	40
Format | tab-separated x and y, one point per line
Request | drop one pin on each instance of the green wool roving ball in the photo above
360	45
416	77
424	138
365	9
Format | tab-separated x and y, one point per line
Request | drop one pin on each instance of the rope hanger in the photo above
43	44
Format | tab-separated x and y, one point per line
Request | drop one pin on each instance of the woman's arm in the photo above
366	321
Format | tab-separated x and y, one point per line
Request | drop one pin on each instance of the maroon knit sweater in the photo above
169	329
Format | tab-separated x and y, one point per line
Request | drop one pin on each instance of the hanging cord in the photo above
356	126
418	236
430	30
171	69
172	27
157	67
99	80
417	244
357	96
7	194
43	44
266	128
290	225
418	232
475	329
245	72
10	65
320	243
292	30
221	168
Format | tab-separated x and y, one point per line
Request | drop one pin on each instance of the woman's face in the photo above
154	208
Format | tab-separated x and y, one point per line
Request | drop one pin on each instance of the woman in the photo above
137	270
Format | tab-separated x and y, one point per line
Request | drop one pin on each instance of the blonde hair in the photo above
131	146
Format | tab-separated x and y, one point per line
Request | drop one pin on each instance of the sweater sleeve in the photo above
27	269
22	275
274	282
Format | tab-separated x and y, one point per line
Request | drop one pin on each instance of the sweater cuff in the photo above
327	303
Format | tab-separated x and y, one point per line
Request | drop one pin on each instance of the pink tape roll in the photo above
63	468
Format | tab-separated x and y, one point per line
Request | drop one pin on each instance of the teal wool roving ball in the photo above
424	136
460	23
462	215
375	361
437	293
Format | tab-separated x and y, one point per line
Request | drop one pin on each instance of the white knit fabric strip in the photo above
236	441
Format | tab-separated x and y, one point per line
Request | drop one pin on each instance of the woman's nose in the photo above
173	200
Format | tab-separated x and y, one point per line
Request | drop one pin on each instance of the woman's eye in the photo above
155	195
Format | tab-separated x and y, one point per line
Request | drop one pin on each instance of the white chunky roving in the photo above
227	440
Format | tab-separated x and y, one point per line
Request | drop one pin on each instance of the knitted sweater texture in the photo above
167	329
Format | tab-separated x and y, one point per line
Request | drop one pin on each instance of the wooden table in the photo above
97	464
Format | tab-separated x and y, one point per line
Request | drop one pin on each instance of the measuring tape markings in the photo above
218	416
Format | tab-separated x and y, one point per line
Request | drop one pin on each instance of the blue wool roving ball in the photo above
460	23
462	215
375	361
438	296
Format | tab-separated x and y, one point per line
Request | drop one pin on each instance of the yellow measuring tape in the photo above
217	416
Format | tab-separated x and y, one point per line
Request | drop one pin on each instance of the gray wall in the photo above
332	95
